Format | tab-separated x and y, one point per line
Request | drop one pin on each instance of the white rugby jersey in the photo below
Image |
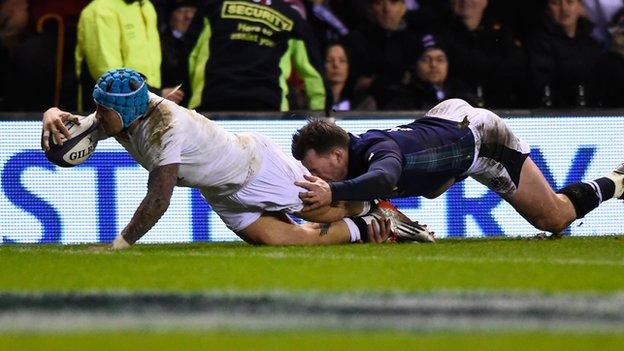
215	161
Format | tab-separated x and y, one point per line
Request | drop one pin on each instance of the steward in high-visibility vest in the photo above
114	34
245	52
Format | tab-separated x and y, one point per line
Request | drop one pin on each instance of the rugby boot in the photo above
403	228
618	175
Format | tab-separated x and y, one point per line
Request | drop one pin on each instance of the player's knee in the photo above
552	223
257	236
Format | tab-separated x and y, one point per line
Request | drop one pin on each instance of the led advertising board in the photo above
43	203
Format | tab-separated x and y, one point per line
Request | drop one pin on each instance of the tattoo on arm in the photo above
324	229
159	189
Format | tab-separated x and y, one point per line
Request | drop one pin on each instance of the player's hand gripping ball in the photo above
77	149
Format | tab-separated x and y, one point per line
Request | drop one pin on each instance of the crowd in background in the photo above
315	54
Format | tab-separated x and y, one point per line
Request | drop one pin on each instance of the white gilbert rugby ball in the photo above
77	149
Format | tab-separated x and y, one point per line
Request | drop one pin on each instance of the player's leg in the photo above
553	212
530	195
257	226
403	228
502	164
538	203
275	228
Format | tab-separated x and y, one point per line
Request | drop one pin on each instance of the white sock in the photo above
618	179
354	231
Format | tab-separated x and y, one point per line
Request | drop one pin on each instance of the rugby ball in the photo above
77	149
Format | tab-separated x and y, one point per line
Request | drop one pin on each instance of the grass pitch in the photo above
593	264
571	265
373	341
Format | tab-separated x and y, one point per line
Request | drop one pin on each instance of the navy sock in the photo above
362	226
603	187
583	197
586	196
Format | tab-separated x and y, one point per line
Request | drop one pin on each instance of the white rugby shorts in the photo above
271	189
499	154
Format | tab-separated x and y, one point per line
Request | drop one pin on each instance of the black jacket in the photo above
419	95
489	57
562	63
174	68
606	88
248	48
28	74
383	55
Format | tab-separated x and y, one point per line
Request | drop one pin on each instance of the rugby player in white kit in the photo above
246	178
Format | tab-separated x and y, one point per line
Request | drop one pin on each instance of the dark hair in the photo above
318	135
337	42
347	90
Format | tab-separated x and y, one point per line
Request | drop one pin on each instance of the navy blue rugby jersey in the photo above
431	151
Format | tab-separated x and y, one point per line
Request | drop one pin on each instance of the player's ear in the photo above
339	153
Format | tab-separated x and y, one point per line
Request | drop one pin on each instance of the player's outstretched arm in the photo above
160	186
53	124
379	181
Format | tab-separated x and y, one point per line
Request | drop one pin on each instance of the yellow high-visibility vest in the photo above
114	34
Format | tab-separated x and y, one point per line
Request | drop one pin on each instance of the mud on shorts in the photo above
271	189
499	154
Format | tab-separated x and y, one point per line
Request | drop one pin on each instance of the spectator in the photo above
13	22
520	16
607	89
245	54
599	12
427	15
485	55
176	46
13	28
114	34
430	81
162	8
353	13
299	6
382	49
562	54
25	57
356	12
326	25
337	72
68	12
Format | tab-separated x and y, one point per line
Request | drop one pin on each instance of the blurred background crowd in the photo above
281	55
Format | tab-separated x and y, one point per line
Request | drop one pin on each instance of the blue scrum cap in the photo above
124	91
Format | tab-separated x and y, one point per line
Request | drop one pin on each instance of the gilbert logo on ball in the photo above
79	148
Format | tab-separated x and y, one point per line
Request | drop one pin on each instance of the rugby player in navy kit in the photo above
451	142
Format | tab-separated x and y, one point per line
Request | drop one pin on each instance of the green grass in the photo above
593	264
313	341
569	265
